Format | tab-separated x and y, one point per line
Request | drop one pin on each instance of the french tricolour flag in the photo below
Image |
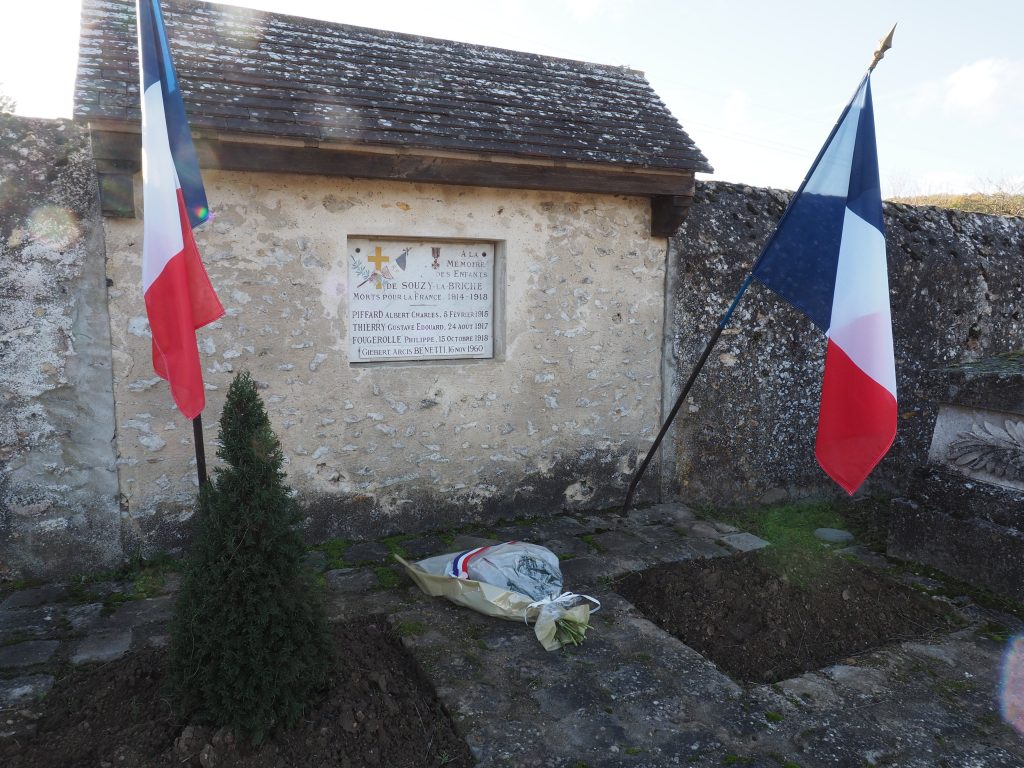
178	294
827	258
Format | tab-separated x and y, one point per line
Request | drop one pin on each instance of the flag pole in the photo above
197	435
883	45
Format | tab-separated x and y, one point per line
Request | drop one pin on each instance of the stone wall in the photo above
555	422
747	431
59	509
964	513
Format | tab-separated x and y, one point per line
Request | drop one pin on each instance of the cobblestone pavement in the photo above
630	696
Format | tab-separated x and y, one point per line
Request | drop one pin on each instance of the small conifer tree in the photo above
249	642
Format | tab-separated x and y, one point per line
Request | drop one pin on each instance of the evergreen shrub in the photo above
249	644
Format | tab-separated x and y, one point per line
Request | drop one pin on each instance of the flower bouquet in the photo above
514	580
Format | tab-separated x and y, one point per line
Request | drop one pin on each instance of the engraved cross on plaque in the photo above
377	259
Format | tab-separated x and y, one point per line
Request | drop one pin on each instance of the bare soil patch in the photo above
380	711
767	616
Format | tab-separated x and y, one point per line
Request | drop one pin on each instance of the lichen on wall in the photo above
747	432
58	486
555	421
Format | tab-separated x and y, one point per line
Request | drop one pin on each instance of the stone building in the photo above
444	263
358	180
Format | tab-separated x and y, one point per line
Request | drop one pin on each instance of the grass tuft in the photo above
410	628
394	544
386	577
1000	203
334	551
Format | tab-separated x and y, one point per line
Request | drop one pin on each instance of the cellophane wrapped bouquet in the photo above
515	580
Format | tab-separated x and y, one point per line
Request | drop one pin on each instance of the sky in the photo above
757	85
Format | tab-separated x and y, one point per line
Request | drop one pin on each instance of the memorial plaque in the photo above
420	300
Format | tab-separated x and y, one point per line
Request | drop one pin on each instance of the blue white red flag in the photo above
178	294
827	258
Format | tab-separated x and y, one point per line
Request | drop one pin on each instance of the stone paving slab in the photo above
98	590
672	515
348	580
17	691
631	695
656	534
595	522
567	545
158	640
512	533
744	542
28	653
660	538
423	547
706	548
585	571
102	646
724	527
83	617
35	596
700	529
895	707
634	696
519	705
18	623
137	612
463	541
833	536
621	543
366	552
562	526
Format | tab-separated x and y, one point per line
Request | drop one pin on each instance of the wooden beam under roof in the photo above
118	158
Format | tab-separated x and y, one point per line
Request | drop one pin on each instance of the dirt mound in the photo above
380	711
765	616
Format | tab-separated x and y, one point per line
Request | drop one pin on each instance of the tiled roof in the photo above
268	74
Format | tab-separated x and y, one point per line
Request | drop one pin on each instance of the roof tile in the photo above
277	75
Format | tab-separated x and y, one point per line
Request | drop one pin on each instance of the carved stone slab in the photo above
987	446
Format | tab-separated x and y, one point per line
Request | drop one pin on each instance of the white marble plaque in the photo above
420	300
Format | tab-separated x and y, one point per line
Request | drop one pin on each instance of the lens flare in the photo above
201	212
1012	689
54	226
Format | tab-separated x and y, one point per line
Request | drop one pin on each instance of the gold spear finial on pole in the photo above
883	45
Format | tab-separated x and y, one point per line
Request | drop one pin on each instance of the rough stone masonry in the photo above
747	431
555	421
58	480
552	422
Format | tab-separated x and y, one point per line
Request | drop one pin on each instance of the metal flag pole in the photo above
883	45
197	436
